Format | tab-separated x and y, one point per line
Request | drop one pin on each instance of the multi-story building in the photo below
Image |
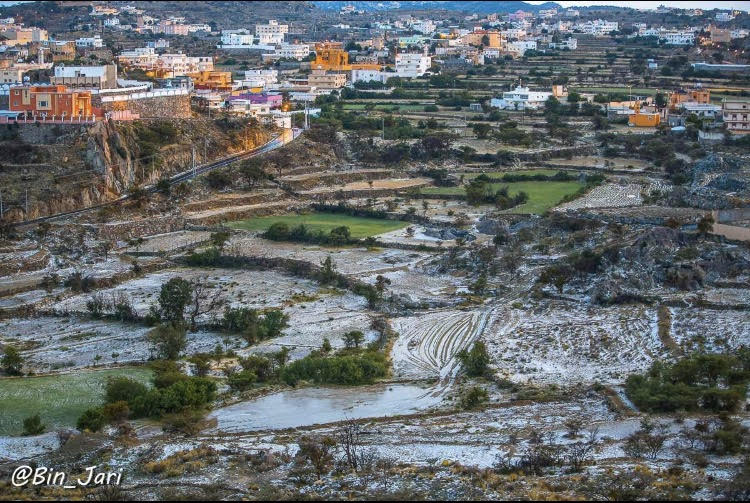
53	50
168	27
266	77
291	51
521	46
678	37
724	17
486	38
569	43
18	35
736	115
371	76
95	41
236	39
425	27
271	33
326	80
689	96
521	98
545	13
140	57
174	65
96	77
598	27
514	33
11	75
112	21
412	65
50	101
216	81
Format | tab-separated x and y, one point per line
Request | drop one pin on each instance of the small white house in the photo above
520	98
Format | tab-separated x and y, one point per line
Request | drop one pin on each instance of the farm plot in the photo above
59	399
170	241
609	195
52	344
256	289
423	287
542	195
562	343
427	344
360	227
710	330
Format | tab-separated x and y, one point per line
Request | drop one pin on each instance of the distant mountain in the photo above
481	7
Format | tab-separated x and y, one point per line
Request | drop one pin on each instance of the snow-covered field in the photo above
565	343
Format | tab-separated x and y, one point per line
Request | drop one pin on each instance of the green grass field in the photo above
360	227
499	174
402	108
542	195
59	399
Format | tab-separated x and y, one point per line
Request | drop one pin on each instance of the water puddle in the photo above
309	406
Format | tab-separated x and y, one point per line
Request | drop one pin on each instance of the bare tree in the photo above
204	300
318	452
349	441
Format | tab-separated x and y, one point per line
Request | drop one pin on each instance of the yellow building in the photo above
644	119
332	56
219	81
487	38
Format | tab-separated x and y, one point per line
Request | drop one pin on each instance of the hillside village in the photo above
360	250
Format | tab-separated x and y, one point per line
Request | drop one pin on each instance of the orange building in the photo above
693	95
332	56
217	81
486	38
643	119
50	101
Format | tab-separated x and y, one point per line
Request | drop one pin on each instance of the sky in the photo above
653	5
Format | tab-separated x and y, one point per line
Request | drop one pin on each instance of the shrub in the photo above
350	369
92	420
473	398
32	425
241	381
476	360
709	382
123	389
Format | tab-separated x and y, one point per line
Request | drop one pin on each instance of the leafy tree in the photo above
169	340
12	360
174	297
328	272
354	339
123	389
476	360
92	420
481	130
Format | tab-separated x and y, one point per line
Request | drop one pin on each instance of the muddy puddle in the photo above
309	406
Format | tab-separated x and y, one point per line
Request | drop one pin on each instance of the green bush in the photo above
473	398
32	425
92	420
352	369
708	382
123	389
476	360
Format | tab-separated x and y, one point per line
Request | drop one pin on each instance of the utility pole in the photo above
1	205
192	158
383	119
26	205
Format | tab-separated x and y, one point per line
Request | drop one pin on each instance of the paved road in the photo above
285	137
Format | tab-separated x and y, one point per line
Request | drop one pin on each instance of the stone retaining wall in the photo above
166	107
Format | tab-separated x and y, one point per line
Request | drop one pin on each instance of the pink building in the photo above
272	100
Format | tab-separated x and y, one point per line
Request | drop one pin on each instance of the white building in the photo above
598	27
236	39
291	51
706	110
266	77
513	33
569	43
112	21
271	33
545	13
520	98
192	28
95	41
425	27
521	46
724	16
412	65
678	38
370	76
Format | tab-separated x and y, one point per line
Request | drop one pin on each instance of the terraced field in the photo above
559	343
59	400
542	195
428	344
360	227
